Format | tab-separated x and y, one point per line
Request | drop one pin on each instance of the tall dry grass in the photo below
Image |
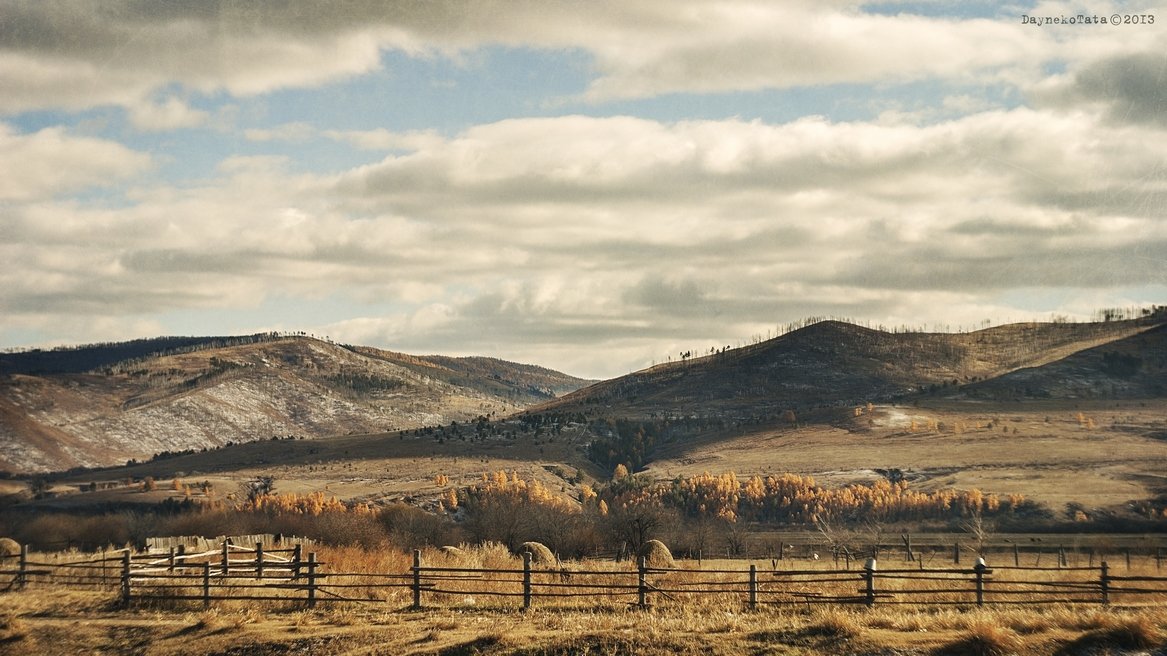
691	607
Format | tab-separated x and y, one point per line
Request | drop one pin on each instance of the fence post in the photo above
753	587
869	578
22	575
1158	557
126	577
1104	581
642	583
170	561
526	580
1128	559
956	553
980	572
226	559
312	580
259	560
207	584
417	579
1016	556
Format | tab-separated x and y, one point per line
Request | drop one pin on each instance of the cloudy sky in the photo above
590	186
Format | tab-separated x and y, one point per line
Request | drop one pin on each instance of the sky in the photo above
591	186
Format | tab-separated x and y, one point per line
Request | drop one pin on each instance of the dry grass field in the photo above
1094	453
1097	454
56	621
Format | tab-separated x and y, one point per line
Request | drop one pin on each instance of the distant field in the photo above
1096	454
1115	454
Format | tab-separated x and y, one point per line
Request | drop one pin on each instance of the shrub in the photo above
413	528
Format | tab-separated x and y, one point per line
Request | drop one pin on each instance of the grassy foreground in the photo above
54	620
51	620
82	622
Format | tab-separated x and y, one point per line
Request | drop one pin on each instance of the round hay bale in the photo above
540	554
656	554
9	547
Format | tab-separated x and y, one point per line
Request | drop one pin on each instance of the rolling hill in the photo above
1130	368
128	401
181	394
836	364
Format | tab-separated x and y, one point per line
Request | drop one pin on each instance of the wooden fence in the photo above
235	573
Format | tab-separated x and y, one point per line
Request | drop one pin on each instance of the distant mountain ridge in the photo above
109	404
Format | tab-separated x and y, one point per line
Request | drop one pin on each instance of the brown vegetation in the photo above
39	620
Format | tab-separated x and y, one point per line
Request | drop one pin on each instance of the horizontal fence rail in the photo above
237	573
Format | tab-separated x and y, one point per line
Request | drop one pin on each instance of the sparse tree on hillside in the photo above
620	473
38	487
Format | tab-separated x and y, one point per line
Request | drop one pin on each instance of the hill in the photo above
1068	415
1130	368
182	394
91	357
835	364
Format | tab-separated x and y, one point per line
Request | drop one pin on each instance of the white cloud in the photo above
169	114
579	241
736	46
285	132
60	53
382	139
580	230
52	162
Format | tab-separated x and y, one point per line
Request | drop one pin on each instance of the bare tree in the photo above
980	530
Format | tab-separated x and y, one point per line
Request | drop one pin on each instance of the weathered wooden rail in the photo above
235	573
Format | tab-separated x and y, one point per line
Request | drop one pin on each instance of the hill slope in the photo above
831	364
1132	367
207	394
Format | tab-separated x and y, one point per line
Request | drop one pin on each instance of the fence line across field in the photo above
237	573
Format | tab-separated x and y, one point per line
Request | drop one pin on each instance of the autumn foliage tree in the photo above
510	509
796	499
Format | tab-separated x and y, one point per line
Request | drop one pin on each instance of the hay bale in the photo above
9	547
540	554
656	554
